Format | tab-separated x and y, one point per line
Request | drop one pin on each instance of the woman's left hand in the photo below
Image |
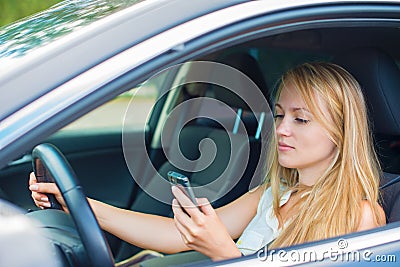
201	228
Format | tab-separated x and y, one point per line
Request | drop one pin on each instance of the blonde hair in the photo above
333	205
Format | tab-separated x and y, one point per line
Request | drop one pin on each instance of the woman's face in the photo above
303	143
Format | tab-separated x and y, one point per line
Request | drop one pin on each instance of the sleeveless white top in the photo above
263	228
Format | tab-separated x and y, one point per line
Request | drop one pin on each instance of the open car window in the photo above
110	116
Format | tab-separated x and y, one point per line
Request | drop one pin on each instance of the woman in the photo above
323	180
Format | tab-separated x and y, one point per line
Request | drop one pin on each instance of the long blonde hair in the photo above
333	205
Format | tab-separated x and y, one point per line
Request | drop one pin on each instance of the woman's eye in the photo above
303	121
278	116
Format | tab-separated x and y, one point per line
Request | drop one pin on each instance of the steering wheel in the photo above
93	240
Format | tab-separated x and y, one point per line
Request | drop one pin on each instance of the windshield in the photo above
22	36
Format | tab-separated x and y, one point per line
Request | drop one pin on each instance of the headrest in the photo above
249	66
379	78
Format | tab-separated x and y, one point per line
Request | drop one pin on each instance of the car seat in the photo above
379	77
23	241
234	179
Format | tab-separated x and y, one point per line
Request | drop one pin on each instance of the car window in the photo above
53	23
110	116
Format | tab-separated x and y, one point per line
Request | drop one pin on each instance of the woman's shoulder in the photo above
368	220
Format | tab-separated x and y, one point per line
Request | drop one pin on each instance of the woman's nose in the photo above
283	127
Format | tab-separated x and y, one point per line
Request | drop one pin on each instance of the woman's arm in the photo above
151	231
144	230
238	214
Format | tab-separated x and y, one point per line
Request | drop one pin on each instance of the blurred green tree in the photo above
12	10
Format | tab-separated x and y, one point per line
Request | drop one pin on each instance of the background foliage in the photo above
12	10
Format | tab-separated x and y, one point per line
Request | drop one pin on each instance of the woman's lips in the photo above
284	147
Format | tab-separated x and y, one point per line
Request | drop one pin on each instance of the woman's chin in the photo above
287	164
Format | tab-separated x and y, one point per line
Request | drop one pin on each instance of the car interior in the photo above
238	139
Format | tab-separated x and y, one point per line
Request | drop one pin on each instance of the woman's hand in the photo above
40	189
201	229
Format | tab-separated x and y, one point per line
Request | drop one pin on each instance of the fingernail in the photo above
176	188
34	187
47	204
173	188
44	199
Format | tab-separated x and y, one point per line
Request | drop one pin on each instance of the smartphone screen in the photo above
183	183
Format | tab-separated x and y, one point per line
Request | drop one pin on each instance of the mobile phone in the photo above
183	183
44	176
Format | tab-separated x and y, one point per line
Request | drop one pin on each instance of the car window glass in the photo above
110	116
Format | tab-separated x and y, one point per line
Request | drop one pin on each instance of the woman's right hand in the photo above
39	191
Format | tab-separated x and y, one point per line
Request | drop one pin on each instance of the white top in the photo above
263	228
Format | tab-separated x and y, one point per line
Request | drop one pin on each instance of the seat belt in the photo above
391	182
